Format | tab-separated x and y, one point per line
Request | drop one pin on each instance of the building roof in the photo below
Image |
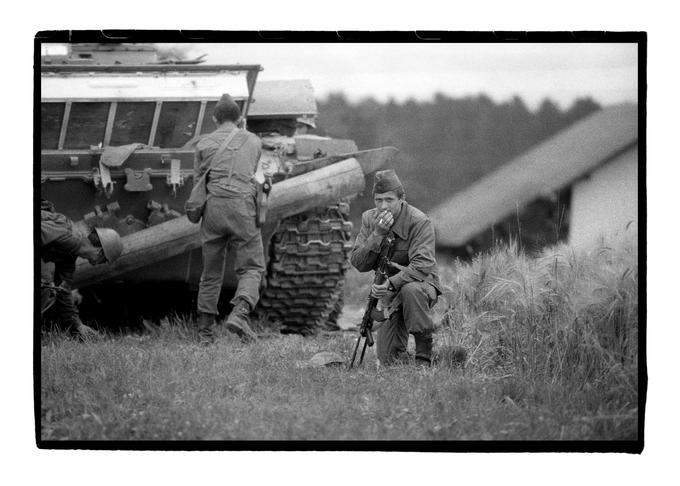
549	166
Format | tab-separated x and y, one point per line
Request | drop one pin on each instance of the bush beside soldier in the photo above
412	288
229	221
62	243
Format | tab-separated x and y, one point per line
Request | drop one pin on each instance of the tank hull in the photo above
151	246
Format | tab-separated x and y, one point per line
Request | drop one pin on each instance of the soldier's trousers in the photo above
413	316
57	306
228	224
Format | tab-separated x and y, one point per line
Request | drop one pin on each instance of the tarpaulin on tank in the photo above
116	156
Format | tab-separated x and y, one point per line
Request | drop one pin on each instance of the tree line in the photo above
447	143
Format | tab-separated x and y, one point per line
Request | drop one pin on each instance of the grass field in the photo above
552	353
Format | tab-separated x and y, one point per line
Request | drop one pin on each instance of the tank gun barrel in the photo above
291	196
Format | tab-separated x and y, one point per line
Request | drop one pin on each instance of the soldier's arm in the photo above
421	255
259	146
364	255
197	165
201	162
58	236
205	149
257	142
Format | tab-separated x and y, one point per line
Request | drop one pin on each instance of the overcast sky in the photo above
563	72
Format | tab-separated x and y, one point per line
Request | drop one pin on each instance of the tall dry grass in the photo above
564	322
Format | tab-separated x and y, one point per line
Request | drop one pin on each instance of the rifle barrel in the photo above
363	351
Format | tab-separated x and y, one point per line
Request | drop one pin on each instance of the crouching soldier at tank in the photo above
412	288
62	243
229	221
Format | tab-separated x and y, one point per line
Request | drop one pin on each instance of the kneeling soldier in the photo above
412	289
62	243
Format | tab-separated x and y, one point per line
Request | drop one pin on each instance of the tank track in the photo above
306	275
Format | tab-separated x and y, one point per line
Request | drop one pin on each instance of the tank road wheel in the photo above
305	279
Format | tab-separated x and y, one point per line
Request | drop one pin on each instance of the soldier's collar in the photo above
226	127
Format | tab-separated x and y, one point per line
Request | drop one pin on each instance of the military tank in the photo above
118	129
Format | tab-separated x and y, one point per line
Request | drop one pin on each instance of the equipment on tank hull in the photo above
117	151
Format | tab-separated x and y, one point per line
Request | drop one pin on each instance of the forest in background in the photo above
448	143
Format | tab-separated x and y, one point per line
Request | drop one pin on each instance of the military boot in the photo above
206	335
423	347
238	322
84	333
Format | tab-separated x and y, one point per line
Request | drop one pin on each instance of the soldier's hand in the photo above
380	290
383	222
396	266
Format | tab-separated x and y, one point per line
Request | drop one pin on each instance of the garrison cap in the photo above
386	180
227	109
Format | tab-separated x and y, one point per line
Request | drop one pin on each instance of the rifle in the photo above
366	328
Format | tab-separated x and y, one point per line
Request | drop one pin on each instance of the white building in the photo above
604	204
597	157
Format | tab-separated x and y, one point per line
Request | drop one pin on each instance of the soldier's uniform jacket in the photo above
60	241
413	247
59	245
231	175
230	215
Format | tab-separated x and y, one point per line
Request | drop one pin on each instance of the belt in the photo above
217	177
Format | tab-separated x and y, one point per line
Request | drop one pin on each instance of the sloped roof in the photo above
549	166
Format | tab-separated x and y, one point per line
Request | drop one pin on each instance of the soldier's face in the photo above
93	254
99	258
387	201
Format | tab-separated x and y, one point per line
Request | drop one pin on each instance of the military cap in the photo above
386	180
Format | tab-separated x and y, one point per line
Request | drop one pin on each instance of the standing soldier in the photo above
229	221
62	243
412	288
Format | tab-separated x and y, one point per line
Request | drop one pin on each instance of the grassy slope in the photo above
552	354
